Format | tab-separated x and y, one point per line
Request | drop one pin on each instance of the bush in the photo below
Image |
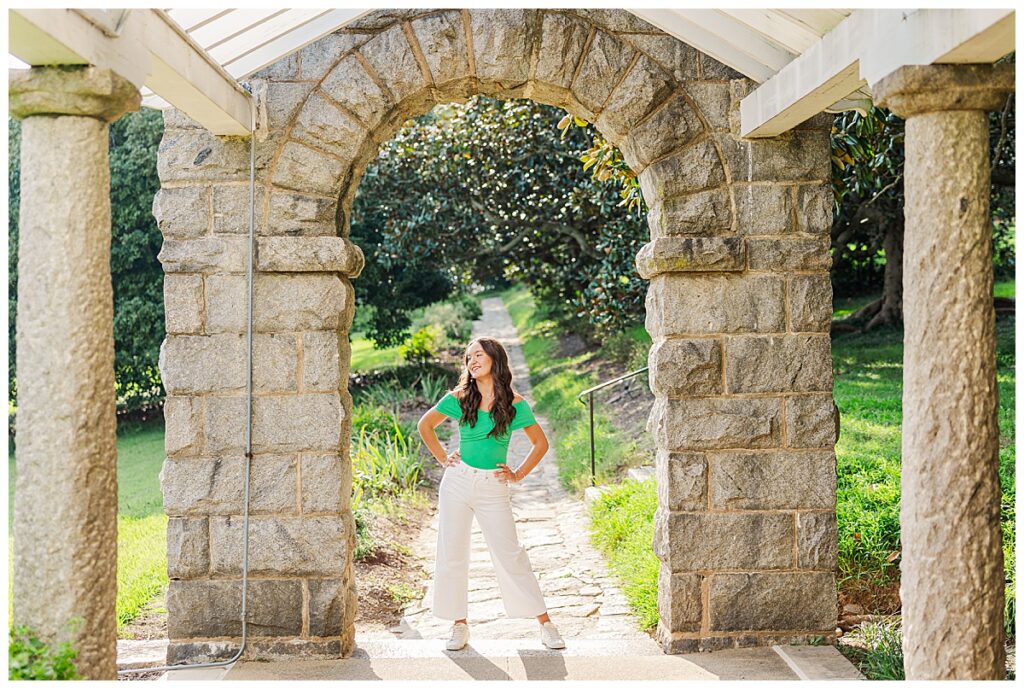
31	658
420	346
883	658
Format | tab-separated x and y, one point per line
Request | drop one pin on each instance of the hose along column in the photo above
248	406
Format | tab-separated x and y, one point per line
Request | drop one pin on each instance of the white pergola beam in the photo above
862	49
150	50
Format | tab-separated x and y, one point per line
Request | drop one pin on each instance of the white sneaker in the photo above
459	637
549	635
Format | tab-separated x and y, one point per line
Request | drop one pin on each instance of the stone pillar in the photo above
952	579
65	504
739	310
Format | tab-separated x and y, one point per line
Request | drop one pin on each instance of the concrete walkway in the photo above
603	639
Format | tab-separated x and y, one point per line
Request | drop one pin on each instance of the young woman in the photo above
476	482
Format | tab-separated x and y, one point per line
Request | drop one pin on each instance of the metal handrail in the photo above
590	397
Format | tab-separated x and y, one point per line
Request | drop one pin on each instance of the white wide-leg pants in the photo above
466	491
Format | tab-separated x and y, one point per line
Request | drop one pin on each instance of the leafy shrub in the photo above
884	657
372	417
420	346
449	322
383	464
31	658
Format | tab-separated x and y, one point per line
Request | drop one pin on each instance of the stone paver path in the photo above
583	598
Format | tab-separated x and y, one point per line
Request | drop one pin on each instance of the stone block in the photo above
301	215
206	608
688	541
442	38
671	127
207	254
176	119
715	423
690	254
694	168
283	100
282	302
297	423
392	58
616	20
602	67
324	481
702	213
679	600
684	304
675	56
202	363
810	303
231	209
683	367
321	357
327	607
778	363
328	128
183	425
502	38
197	154
280	546
183	303
814	204
789	254
307	169
317	58
794	156
816	540
275	362
182	212
773	600
201	486
773	480
188	547
561	46
812	421
350	85
644	88
682	480
309	254
762	209
714	100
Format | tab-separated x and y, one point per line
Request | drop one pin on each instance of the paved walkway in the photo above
582	597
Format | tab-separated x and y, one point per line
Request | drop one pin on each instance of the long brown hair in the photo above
466	391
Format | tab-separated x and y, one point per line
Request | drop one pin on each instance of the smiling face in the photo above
478	361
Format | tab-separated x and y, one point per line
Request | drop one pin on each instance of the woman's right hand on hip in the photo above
452	459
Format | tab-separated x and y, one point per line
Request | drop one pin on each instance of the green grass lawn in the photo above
366	358
141	522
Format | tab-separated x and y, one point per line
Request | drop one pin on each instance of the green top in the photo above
476	449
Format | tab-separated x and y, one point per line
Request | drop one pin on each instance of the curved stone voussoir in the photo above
350	85
322	125
562	40
690	254
391	57
503	40
671	127
382	19
604	64
320	56
644	88
675	56
694	168
702	213
442	39
303	168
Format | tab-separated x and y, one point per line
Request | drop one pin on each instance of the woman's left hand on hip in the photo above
506	474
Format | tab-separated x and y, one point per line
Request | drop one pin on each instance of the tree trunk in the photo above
892	290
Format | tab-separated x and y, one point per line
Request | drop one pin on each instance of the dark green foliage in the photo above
31	658
135	242
488	193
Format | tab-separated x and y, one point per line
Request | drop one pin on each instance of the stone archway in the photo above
739	307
